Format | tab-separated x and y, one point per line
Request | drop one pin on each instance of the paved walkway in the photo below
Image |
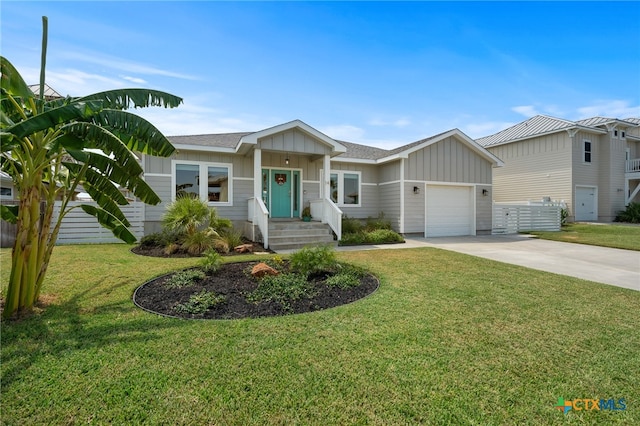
600	264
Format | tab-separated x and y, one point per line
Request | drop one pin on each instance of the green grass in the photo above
616	236
447	339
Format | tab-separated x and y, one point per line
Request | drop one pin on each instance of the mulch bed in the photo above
153	251
234	282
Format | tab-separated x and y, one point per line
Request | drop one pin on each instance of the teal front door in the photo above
280	193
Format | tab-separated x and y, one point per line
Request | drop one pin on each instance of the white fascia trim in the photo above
473	145
243	178
439	183
391	182
187	147
353	160
158	174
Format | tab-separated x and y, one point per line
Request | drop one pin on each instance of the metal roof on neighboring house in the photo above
542	124
537	125
49	93
601	121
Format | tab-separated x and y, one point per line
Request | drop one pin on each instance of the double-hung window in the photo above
211	182
345	188
587	151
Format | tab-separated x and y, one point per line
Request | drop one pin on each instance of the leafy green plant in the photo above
630	215
310	260
564	214
50	147
379	236
277	263
199	303
282	289
347	277
228	239
373	224
200	241
220	224
186	214
211	262
184	278
351	225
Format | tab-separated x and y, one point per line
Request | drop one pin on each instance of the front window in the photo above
345	188
6	192
215	188
587	151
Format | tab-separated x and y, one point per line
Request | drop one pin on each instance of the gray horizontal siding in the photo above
390	203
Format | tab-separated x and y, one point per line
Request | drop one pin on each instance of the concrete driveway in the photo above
604	265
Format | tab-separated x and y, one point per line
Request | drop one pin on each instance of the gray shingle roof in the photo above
220	140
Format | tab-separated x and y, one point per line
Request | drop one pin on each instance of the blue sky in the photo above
380	73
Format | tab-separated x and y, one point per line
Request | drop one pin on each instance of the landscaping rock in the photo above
244	248
262	269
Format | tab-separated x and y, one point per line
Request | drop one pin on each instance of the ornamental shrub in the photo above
630	215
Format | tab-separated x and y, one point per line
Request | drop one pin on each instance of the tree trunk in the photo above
25	267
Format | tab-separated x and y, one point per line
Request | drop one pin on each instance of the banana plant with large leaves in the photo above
51	148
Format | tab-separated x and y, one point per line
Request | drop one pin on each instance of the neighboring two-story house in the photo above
592	165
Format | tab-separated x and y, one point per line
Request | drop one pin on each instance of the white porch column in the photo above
326	185
257	173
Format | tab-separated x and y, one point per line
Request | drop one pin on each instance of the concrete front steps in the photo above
295	234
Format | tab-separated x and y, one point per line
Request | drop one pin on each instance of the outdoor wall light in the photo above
286	160
485	192
416	190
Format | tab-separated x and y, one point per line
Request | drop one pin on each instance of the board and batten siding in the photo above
533	169
448	160
294	141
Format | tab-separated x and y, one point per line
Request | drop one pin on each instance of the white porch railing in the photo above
632	166
328	213
259	216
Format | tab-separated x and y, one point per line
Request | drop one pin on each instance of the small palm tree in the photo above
51	147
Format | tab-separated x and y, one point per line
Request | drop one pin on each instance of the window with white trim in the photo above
345	188
6	192
216	188
615	134
586	151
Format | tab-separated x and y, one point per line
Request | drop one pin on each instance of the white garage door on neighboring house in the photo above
586	203
449	211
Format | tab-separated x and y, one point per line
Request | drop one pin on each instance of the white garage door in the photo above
449	211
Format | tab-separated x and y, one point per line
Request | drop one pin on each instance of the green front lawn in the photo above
606	235
447	339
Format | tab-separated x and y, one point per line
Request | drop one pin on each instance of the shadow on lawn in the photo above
62	328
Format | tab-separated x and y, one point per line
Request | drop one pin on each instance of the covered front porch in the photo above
631	180
289	168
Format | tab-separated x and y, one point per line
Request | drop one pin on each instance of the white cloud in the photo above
123	65
609	108
134	79
526	110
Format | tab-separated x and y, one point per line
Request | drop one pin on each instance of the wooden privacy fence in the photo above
80	228
513	218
